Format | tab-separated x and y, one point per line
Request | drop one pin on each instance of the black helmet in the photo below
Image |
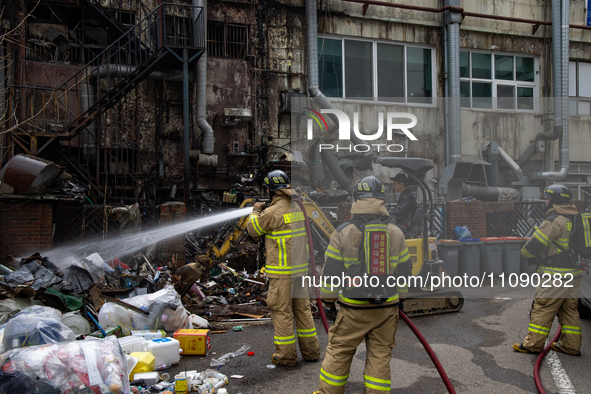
276	180
558	194
370	186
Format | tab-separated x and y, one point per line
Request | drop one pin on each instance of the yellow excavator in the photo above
229	236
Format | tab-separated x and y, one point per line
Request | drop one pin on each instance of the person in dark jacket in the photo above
407	203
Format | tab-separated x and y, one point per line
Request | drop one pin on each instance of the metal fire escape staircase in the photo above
106	18
157	40
172	36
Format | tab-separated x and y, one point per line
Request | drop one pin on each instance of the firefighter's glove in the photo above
259	206
330	310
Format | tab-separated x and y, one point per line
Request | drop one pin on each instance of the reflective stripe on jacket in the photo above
554	230
282	225
343	252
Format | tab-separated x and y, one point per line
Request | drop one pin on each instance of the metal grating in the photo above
437	225
520	222
227	40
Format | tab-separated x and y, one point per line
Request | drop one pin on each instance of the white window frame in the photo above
495	82
576	98
375	81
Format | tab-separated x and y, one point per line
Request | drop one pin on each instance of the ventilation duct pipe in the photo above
365	162
485	193
451	21
208	140
514	167
525	156
313	89
560	57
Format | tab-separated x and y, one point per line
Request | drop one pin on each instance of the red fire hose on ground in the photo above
539	360
414	328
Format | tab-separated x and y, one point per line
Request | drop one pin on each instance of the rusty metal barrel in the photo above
29	174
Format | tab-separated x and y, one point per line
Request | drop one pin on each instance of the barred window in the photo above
227	40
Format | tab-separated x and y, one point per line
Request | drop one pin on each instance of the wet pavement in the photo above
474	347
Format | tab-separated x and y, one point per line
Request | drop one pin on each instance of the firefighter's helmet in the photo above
370	186
276	180
558	194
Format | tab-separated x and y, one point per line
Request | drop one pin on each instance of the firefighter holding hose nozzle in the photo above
282	225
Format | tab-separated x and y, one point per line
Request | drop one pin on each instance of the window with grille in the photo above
227	40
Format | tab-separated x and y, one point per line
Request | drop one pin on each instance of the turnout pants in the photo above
378	328
550	302
288	300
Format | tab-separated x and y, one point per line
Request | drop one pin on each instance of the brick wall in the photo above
462	213
25	228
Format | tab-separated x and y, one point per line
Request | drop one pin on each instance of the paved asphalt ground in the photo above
474	347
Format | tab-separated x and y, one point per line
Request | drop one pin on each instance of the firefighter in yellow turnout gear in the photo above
556	298
364	245
282	225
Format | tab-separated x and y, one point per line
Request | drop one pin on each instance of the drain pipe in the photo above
514	167
208	139
314	91
451	21
560	57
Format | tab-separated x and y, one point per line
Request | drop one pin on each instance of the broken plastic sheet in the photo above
71	367
38	277
165	312
79	278
36	325
226	357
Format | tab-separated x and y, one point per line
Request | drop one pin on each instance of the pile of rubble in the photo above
79	310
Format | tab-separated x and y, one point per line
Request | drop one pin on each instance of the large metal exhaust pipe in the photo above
560	57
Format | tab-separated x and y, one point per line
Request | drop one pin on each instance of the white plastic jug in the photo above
132	344
164	350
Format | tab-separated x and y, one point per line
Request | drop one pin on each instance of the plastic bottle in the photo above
206	388
162	367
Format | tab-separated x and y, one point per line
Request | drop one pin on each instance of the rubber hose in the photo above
430	352
537	379
312	260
